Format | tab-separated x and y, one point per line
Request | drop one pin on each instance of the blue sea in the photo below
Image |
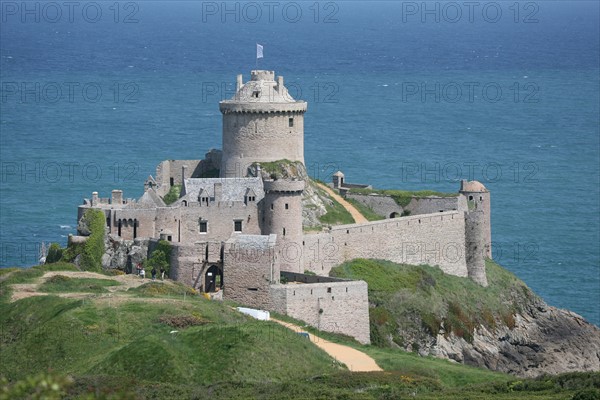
406	95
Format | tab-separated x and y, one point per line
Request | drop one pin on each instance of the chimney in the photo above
117	197
183	172
240	82
280	84
218	191
463	183
94	198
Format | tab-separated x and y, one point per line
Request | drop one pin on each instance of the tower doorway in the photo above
213	279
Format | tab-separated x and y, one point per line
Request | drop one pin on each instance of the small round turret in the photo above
282	212
478	199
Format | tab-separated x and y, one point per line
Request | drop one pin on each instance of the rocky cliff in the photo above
543	340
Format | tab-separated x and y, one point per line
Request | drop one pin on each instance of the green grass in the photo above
58	266
132	339
336	213
173	195
4	271
158	288
403	197
366	211
445	373
409	298
61	283
28	275
338	385
156	345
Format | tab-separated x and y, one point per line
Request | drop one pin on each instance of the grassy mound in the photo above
10	276
425	300
61	283
158	288
133	339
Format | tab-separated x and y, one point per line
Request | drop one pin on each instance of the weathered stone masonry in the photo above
434	239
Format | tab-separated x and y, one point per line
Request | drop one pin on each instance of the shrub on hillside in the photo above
55	253
92	250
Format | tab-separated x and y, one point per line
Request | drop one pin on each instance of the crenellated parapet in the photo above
284	186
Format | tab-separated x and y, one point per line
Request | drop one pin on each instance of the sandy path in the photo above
358	217
355	360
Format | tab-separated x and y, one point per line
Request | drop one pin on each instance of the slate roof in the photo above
150	199
233	189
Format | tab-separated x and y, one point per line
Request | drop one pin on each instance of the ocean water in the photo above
401	95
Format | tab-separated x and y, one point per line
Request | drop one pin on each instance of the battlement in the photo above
115	201
262	75
284	185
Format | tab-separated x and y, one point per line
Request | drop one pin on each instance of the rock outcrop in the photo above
313	204
123	254
544	340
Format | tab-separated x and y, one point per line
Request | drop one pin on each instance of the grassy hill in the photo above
159	340
426	300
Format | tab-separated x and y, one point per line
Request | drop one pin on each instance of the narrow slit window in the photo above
291	122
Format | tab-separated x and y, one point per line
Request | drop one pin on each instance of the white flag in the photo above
259	51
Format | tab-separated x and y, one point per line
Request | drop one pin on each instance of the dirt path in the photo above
358	217
355	360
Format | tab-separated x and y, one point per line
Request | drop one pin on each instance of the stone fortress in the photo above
237	231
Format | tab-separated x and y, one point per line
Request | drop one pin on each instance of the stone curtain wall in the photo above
430	205
382	205
386	205
338	307
434	239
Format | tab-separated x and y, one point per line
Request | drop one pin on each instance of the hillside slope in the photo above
504	327
70	334
157	331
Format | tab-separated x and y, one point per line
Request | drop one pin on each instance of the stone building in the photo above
237	233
